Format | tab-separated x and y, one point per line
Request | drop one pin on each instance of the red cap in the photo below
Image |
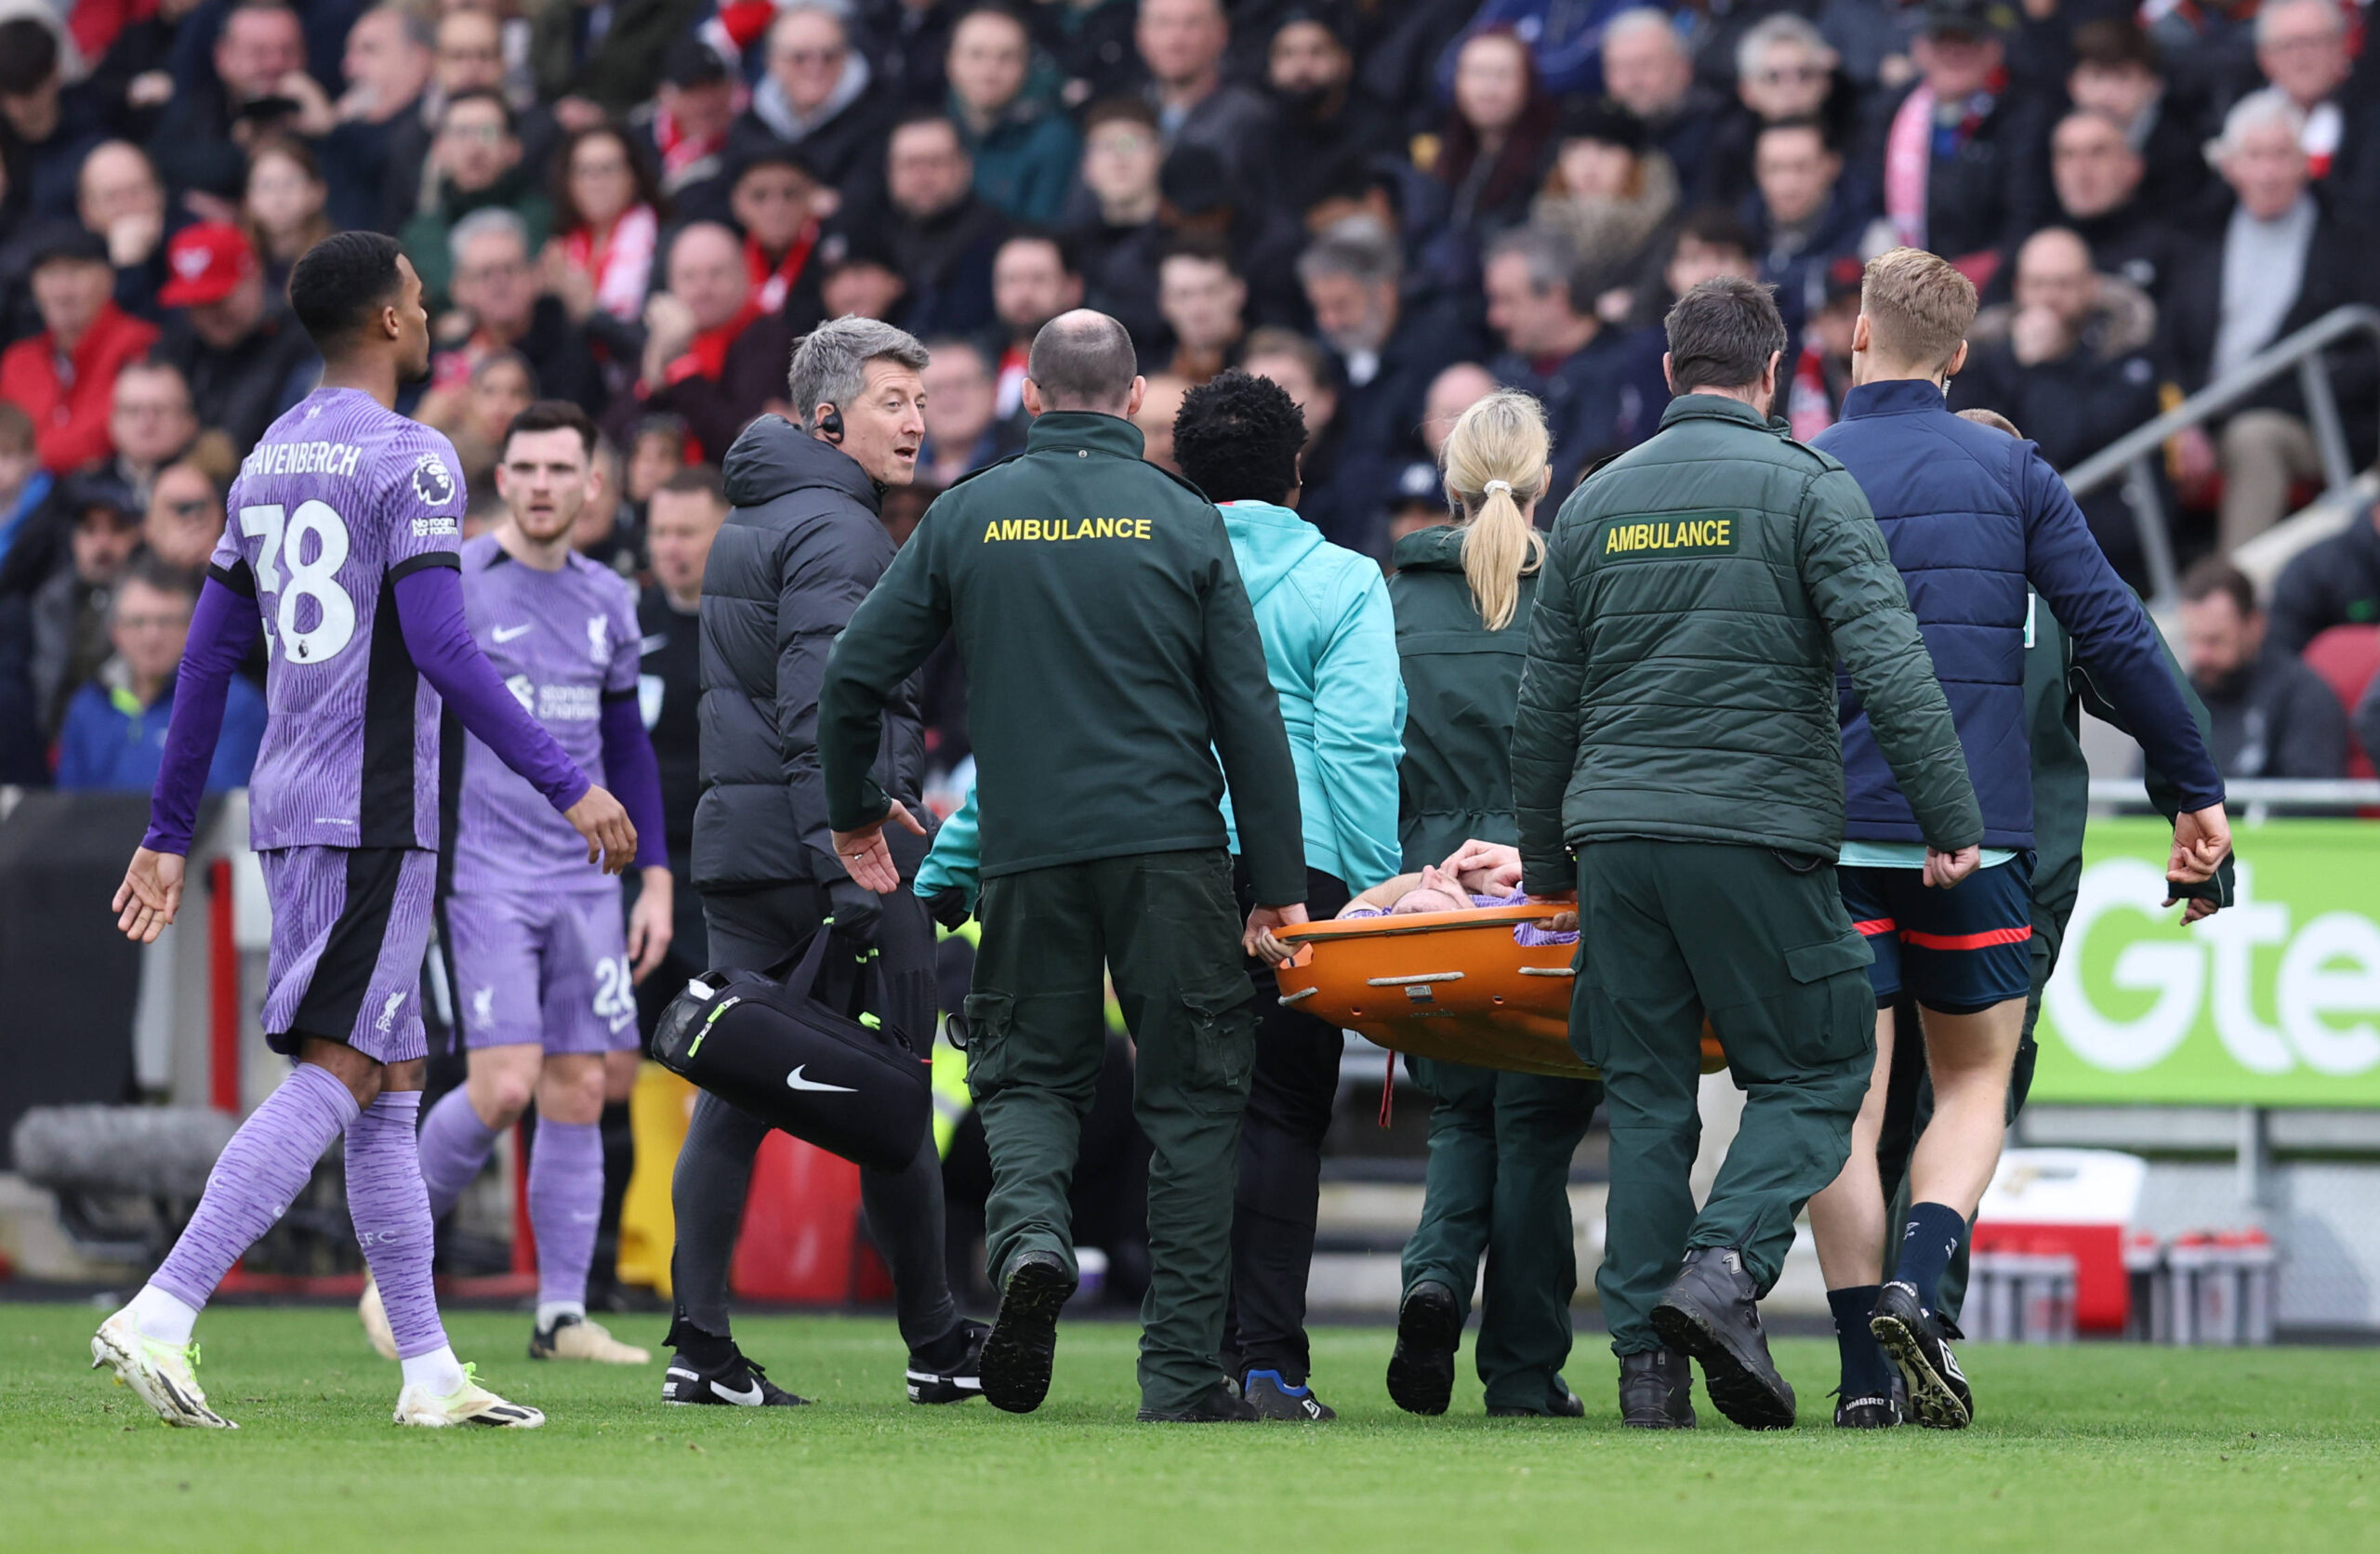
208	261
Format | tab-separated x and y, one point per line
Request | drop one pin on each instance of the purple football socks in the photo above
256	1179
392	1214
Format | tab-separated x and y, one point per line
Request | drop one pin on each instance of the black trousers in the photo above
751	931
1280	1163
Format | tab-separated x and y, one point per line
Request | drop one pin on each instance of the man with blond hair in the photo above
1973	519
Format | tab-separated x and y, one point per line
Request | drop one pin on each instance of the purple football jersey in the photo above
565	643
339	500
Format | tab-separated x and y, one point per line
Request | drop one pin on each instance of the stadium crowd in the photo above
1392	209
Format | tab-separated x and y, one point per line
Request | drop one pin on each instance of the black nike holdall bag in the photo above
793	1052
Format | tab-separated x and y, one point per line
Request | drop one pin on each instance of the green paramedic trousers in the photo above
1499	1182
1164	928
1758	942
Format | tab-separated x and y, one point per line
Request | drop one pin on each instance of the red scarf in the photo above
771	284
681	151
1809	409
708	356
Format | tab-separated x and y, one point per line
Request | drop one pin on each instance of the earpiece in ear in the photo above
831	426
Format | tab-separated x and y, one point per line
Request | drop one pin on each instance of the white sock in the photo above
162	1317
551	1311
437	1373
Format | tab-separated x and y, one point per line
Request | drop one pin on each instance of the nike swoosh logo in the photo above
507	633
749	1398
795	1081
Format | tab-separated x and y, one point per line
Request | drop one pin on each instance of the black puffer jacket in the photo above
801	548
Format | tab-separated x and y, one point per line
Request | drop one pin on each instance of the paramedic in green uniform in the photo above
1111	655
1676	732
1499	1174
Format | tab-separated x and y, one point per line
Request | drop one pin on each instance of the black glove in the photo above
857	910
949	907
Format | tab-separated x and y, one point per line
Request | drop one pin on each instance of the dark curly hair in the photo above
1237	439
338	284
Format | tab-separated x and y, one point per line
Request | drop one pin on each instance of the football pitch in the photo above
2096	1447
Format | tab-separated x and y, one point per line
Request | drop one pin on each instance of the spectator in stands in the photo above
1022	148
2335	581
1558	351
592	68
1647	71
254	88
777	203
64	376
2071	362
115	731
498	308
1181	42
909	41
1159	404
1387	355
1339	495
1819	374
1961	161
151	421
25	486
390	53
184	518
286	208
656	451
118	196
2098	177
1199	203
1204	302
2283	258
1113	229
683	132
66	616
241	353
816	98
857	276
607	225
1496	132
1326	126
2301	49
702	359
1610	196
1785	69
2117	75
606	532
941	232
2272	715
1802	218
1034	280
477	160
468	56
46	126
964	431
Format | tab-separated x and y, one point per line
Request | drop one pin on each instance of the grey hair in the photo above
830	363
1552	261
1784	27
2265	15
486	220
1643	18
1356	246
2271	106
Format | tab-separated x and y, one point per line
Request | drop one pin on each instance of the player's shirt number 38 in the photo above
286	538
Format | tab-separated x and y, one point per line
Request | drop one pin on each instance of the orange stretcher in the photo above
1450	986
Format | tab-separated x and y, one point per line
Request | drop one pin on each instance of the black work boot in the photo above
1656	1390
1218	1405
1024	1340
1711	1312
1429	1328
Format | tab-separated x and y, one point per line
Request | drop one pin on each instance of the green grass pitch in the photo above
2098	1447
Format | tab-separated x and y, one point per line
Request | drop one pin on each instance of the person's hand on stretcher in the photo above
1477	868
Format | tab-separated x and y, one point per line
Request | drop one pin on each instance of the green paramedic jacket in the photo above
1111	655
1680	680
1463	688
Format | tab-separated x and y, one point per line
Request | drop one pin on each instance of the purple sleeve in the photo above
430	611
220	631
635	776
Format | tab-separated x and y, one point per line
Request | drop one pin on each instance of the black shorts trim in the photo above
342	976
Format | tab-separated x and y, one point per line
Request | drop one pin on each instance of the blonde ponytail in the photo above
1495	462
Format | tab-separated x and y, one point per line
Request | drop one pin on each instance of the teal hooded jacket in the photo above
1329	638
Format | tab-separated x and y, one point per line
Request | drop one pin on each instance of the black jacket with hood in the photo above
801	547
